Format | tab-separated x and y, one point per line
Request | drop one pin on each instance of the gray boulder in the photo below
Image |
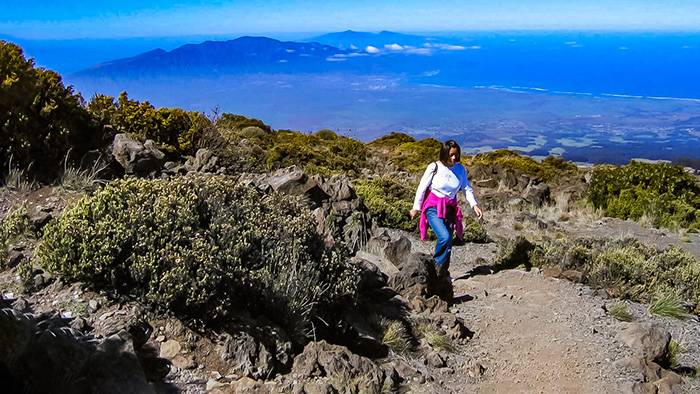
419	276
137	158
245	356
203	161
321	359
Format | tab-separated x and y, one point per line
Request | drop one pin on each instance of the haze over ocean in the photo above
590	80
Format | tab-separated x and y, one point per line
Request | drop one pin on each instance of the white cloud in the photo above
371	49
352	54
335	59
420	51
394	47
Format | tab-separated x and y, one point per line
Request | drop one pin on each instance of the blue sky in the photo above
46	19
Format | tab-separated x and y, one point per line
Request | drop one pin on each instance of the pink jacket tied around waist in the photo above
441	203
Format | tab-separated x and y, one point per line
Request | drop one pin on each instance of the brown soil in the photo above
538	334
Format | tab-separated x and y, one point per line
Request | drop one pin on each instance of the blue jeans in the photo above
443	229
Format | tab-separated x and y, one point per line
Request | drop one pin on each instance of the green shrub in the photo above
389	202
14	227
414	156
205	248
40	118
239	122
316	155
664	195
177	132
326	134
474	231
625	267
392	140
550	169
508	158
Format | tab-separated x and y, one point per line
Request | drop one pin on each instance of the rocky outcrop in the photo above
337	367
339	213
141	159
650	346
419	276
497	186
44	354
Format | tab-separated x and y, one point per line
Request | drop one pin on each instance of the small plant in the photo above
395	336
438	339
669	306
17	180
388	201
14	227
77	180
474	231
619	312
675	349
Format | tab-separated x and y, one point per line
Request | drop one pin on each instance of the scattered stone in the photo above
184	362
21	304
137	158
245	356
106	316
321	359
16	257
646	340
169	349
93	306
79	324
434	360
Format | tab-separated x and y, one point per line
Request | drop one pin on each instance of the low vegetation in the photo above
658	194
388	201
549	169
14	228
204	249
620	312
39	116
669	306
626	268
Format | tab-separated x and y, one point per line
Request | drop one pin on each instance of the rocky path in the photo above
537	334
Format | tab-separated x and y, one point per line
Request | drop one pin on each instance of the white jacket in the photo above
446	182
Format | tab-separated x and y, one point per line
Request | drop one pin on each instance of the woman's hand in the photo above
414	213
478	212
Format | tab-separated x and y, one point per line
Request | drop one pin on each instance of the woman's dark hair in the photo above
445	151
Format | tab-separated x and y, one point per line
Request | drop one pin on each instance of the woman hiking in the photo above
436	201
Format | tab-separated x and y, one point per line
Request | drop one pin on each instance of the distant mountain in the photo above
349	51
360	40
242	55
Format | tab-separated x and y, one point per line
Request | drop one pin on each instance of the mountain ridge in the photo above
243	54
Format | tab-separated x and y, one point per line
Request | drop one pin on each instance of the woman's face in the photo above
452	158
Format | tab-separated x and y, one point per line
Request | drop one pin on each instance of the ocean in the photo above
586	96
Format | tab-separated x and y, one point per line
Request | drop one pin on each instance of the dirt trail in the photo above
538	335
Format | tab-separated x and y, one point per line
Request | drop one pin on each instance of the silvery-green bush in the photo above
204	248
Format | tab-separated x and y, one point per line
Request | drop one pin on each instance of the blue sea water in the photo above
585	96
661	64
